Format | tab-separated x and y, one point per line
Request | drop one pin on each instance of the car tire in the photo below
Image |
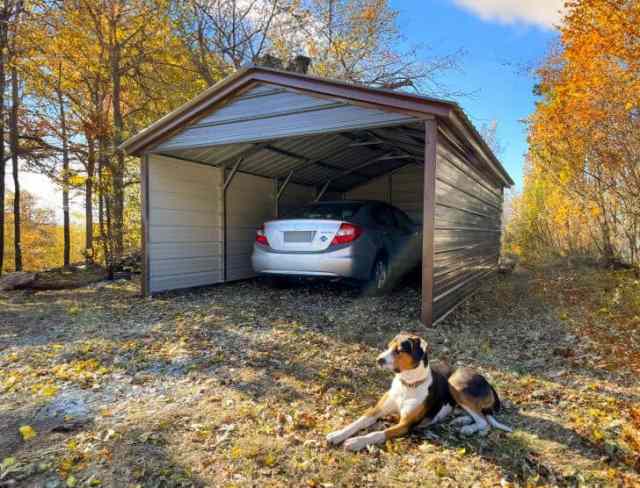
379	282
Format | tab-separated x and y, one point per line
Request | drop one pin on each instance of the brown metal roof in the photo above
417	106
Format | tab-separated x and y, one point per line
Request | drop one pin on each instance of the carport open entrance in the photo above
266	148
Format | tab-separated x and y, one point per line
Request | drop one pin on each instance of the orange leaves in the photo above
583	134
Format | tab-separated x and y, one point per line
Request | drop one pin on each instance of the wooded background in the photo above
78	77
581	194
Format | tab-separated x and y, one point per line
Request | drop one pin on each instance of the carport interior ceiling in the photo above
303	138
341	161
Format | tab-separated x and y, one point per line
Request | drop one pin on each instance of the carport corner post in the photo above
428	219
144	207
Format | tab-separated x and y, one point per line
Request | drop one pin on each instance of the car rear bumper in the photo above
339	263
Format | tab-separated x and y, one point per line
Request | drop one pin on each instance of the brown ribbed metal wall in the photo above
468	214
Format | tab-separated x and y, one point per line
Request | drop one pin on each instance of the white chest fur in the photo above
406	399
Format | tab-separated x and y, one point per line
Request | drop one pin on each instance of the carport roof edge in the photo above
390	100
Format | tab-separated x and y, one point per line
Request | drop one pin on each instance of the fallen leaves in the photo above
27	432
237	385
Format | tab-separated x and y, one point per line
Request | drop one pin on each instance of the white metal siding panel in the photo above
377	189
403	189
407	186
275	114
185	224
250	202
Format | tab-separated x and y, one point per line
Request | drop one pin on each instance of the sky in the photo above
500	40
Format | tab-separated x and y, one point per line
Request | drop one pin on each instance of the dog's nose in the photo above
381	361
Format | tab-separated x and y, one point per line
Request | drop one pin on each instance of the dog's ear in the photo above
426	347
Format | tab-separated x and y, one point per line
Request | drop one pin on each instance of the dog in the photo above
423	395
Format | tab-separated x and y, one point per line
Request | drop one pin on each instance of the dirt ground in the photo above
237	385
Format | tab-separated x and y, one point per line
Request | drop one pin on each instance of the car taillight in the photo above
261	237
346	233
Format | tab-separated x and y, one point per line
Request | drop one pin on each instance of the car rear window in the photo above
327	211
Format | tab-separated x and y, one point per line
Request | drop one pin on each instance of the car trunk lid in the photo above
301	235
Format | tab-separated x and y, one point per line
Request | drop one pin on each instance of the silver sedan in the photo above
369	241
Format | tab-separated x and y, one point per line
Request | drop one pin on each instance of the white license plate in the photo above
297	236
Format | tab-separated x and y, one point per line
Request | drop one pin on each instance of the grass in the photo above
237	385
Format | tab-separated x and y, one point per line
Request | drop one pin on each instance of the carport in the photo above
263	141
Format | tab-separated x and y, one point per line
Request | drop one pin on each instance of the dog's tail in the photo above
495	409
497	425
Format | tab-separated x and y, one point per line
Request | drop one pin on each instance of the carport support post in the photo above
228	178
280	190
144	207
428	219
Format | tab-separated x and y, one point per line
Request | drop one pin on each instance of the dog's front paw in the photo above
474	428
355	444
358	443
335	437
469	429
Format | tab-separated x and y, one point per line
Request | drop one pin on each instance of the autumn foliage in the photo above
582	184
91	73
42	243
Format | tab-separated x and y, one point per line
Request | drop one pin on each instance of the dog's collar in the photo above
415	384
414	377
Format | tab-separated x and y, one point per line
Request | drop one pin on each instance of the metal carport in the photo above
263	140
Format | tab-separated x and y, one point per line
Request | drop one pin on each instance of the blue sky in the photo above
501	39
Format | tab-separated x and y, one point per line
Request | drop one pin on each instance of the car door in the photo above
396	239
413	233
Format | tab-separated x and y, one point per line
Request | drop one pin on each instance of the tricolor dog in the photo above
423	395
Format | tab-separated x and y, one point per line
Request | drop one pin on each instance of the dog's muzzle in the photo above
385	360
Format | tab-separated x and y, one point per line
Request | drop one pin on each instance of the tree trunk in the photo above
115	211
13	144
65	175
3	59
88	201
106	237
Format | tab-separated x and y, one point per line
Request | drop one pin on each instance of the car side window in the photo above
382	215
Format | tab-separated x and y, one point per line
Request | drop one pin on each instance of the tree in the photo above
223	35
354	40
98	73
584	145
9	11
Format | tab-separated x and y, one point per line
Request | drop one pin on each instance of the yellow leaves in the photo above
27	432
80	371
45	390
71	481
77	180
11	381
340	47
597	435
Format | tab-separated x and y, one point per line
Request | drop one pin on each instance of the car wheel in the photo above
379	282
